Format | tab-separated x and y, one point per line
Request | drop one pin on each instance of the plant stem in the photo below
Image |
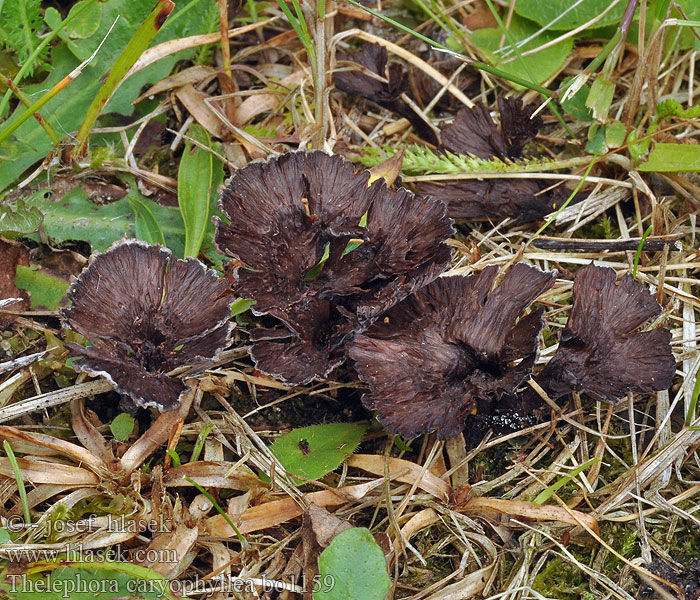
320	75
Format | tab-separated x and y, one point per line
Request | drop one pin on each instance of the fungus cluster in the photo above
145	313
324	253
340	268
474	133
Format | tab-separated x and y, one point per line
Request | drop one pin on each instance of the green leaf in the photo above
686	39
547	493
194	189
600	97
46	289
318	449
353	566
615	133
20	218
74	217
137	45
240	306
66	111
20	21
543	13
543	63
85	26
175	457
146	225
4	536
673	158
122	426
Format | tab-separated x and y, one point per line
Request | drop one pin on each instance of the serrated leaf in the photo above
318	449
74	217
46	289
544	13
673	158
194	189
542	64
353	566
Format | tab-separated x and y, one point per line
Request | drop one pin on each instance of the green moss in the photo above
562	580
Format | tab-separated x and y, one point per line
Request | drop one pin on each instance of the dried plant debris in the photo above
599	352
145	313
382	84
12	299
452	343
474	132
324	253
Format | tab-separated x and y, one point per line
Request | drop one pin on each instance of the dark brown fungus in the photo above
325	253
380	83
145	313
599	352
474	132
452	343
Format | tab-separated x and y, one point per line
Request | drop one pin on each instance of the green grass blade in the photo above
690	417
20	481
194	183
547	493
639	250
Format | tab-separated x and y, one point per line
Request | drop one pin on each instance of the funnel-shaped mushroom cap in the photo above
599	352
450	344
145	313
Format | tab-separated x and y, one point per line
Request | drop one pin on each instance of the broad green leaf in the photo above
686	39
19	217
85	26
353	566
318	449
122	426
673	158
600	97
4	536
30	143
46	289
194	189
543	13
615	133
74	217
542	64
137	45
